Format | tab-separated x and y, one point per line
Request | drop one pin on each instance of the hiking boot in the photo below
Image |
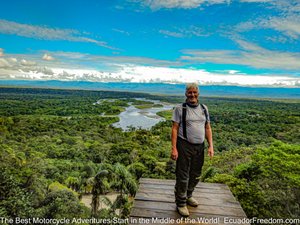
192	202
183	211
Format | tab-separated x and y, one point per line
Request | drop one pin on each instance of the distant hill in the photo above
160	88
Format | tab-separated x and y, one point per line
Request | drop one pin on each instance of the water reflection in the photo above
141	118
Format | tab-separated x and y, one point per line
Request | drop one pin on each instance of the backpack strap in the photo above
205	112
184	120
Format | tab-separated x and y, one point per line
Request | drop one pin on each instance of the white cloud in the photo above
121	31
288	5
171	33
25	62
278	39
13	60
134	73
1	52
158	4
4	63
139	69
190	31
44	70
47	57
233	71
248	46
250	55
191	4
71	55
14	67
112	60
184	4
287	20
246	26
289	26
44	33
172	75
256	1
9	63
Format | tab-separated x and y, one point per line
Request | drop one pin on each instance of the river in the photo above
141	118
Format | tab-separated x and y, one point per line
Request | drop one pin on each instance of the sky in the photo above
212	42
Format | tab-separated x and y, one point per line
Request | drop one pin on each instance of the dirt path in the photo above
87	199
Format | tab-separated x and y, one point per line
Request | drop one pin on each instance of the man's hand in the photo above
174	154
211	152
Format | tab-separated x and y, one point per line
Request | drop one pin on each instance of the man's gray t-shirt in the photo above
195	123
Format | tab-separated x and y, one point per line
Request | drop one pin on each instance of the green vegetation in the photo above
141	104
148	106
56	145
265	180
167	114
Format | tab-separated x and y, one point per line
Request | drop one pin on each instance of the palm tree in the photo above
126	184
73	183
124	181
100	186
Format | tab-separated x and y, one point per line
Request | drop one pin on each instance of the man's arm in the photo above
208	136
174	152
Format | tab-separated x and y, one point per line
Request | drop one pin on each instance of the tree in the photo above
126	184
100	187
138	169
73	183
63	204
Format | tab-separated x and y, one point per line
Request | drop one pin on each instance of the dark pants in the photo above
188	169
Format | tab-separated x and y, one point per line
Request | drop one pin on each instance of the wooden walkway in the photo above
154	204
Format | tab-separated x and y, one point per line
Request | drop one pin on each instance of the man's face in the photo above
192	95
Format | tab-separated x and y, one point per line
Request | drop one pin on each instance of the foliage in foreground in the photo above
267	183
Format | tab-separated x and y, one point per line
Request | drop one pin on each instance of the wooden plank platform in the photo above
155	204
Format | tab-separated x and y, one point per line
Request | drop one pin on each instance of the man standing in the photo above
191	125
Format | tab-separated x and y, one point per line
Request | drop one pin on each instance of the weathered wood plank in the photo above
169	181
155	199
204	200
196	193
167	187
172	183
203	209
